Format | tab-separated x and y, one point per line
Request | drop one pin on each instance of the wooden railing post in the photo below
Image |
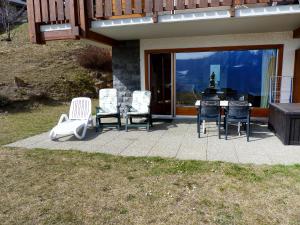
33	33
73	17
83	18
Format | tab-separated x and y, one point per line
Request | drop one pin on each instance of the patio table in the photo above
223	104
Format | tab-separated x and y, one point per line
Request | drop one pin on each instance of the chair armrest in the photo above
97	109
63	118
128	107
118	108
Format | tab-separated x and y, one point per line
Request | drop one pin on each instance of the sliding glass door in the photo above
179	77
239	74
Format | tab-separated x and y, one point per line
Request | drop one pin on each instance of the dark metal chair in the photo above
237	112
209	111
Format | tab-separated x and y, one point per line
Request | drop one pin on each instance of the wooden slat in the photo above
90	8
203	4
191	4
99	8
84	27
60	10
250	1
158	5
227	2
67	9
169	5
57	35
117	7
31	22
72	13
45	14
37	11
107	8
128	7
52	10
148	6
180	4
137	6
214	3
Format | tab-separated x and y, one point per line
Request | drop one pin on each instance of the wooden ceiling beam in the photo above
101	38
296	33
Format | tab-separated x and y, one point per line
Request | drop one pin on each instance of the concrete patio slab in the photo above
177	139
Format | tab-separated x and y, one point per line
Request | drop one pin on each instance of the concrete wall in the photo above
126	69
290	45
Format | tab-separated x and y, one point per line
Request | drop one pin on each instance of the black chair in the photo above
237	112
209	111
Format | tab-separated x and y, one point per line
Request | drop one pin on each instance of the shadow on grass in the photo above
31	104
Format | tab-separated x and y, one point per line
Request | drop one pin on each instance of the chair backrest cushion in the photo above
238	109
81	109
141	101
108	100
210	108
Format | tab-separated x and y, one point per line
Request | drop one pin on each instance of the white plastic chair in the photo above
140	107
108	107
80	116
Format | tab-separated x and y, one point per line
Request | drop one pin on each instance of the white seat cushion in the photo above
140	102
108	101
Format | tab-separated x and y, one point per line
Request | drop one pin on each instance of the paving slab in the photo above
177	139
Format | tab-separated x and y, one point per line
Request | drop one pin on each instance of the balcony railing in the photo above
78	13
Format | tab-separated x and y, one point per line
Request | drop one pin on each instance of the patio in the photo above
177	139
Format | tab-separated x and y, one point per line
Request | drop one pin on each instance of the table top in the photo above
222	103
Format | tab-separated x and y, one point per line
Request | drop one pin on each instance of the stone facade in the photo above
126	69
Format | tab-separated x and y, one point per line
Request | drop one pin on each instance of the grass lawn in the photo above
69	187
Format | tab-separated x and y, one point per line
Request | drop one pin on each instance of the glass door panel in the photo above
161	83
236	74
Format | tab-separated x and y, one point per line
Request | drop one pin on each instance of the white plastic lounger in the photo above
80	116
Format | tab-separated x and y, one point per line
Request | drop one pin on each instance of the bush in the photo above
95	58
81	85
4	101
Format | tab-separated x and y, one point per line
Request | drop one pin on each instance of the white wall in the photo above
286	38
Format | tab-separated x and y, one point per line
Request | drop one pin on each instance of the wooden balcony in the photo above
75	16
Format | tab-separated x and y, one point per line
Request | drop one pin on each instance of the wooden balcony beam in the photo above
93	36
296	33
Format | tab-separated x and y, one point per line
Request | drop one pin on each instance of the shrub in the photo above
95	58
4	101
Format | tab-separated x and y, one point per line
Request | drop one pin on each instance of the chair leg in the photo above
226	129
248	130
203	127
198	123
119	122
219	121
239	128
148	125
84	129
126	125
97	124
52	135
150	118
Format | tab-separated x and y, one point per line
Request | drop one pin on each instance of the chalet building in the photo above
179	49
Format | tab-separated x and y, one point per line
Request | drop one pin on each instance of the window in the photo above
238	74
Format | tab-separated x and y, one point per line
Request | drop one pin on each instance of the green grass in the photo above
18	124
70	187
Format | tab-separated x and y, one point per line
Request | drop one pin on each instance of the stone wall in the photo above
126	69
